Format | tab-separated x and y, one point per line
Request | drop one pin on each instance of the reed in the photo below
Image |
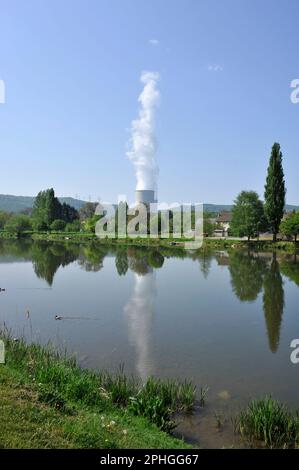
269	423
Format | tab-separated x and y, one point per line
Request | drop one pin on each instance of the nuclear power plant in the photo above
145	196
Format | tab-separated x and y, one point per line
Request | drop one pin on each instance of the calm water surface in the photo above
222	320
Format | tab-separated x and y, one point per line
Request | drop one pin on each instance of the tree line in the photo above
47	214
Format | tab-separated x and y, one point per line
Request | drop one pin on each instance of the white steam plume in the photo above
143	142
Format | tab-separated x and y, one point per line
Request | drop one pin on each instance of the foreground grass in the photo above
270	424
47	401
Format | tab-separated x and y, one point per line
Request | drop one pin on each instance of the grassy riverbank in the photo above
208	243
47	401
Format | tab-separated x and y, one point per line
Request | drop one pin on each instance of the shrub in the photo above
90	224
4	218
73	226
18	223
39	225
58	225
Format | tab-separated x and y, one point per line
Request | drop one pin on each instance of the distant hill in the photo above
228	208
11	203
290	208
217	208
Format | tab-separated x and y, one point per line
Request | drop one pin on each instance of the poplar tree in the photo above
275	191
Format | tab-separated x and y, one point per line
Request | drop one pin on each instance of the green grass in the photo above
47	401
158	401
269	423
173	243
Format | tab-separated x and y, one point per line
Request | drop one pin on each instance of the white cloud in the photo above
154	42
215	68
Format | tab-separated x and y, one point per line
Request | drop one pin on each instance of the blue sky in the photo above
71	70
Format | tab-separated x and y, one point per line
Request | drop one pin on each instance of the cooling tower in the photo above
145	196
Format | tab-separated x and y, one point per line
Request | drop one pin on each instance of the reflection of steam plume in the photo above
143	152
139	311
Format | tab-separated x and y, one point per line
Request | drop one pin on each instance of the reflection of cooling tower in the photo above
145	196
140	312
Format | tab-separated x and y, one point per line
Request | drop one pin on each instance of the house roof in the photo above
224	217
223	261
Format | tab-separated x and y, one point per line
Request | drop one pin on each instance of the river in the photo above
223	320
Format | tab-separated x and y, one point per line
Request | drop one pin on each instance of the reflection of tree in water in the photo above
48	257
142	260
92	257
20	249
290	269
273	301
121	262
205	261
155	259
178	252
138	261
247	274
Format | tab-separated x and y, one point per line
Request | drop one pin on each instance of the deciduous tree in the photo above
18	223
247	215
290	225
